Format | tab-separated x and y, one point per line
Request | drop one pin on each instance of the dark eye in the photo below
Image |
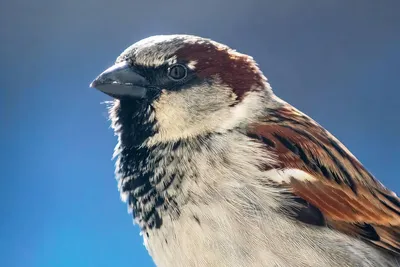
177	72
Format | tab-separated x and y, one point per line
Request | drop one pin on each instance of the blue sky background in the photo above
338	61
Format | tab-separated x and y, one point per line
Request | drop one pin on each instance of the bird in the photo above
217	170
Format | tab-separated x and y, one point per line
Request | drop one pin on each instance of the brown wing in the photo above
344	195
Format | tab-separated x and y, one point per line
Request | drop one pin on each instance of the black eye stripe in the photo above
160	76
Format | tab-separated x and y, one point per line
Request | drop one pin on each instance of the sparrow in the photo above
219	171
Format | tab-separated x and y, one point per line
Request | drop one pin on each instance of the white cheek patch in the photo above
245	111
284	175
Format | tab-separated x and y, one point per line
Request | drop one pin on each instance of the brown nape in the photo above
238	71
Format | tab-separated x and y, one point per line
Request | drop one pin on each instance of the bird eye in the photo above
177	72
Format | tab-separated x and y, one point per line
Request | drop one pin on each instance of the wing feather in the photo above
350	199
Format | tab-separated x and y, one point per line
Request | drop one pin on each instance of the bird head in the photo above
183	86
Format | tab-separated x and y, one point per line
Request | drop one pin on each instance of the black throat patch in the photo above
138	171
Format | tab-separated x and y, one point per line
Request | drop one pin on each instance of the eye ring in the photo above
177	72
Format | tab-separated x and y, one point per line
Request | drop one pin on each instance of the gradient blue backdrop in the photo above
338	61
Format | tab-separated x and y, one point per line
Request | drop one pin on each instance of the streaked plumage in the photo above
219	171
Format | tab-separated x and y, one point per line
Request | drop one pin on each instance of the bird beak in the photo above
120	81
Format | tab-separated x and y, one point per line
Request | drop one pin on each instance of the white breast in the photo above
227	217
